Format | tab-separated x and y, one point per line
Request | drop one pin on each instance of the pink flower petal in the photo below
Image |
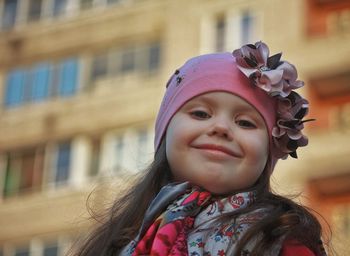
289	71
263	52
274	75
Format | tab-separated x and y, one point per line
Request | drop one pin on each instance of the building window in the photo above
324	17
41	81
34	11
220	31
63	162
50	250
119	152
9	13
59	7
330	97
99	66
24	170
12	176
86	4
246	28
118	62
22	251
112	1
143	156
15	88
68	77
95	156
32	169
114	63
232	30
154	57
128	60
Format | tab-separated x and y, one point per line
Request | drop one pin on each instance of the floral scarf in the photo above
188	225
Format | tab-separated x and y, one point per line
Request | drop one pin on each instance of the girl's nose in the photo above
221	128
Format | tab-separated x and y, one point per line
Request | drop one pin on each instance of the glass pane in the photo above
86	4
246	28
95	156
128	60
154	57
22	252
10	12
99	66
13	176
68	77
55	80
28	83
14	88
112	1
27	170
41	80
114	62
142	143
220	34
34	11
119	149
63	162
59	7
50	250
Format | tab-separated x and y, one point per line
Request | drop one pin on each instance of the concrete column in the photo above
72	8
207	34
233	30
107	154
47	9
22	13
129	162
80	155
49	171
85	64
36	247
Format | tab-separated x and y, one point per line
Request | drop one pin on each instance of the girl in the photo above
225	119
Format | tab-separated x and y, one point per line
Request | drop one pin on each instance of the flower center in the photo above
264	68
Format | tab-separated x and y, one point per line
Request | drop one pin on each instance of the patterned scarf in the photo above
188	226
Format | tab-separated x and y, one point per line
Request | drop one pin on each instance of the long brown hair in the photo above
124	218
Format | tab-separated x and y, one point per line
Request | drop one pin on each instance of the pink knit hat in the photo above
223	72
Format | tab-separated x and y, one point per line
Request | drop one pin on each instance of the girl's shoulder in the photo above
292	248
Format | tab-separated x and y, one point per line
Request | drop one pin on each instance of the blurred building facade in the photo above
81	82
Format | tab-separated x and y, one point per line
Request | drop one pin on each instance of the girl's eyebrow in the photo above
203	99
245	107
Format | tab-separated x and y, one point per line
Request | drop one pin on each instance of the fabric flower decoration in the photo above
287	135
279	79
274	76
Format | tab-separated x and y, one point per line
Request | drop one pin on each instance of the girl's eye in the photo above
199	114
246	124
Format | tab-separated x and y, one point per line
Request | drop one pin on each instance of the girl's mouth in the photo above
217	149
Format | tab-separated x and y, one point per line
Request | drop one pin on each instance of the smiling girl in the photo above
225	120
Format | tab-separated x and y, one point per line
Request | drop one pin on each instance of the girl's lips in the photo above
219	148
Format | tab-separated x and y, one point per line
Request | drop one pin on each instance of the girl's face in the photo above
217	141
